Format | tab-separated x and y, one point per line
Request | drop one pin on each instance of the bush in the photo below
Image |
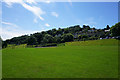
61	44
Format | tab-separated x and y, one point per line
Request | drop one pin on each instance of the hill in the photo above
70	61
103	42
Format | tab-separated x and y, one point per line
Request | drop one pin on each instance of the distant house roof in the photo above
107	30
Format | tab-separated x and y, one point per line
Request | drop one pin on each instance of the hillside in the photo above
72	33
63	62
103	42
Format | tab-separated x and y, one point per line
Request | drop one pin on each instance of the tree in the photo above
93	38
14	40
38	36
115	30
49	32
43	32
86	27
48	39
53	32
79	37
67	37
83	37
58	39
0	42
74	29
4	44
107	34
32	40
107	27
18	40
66	30
59	31
77	28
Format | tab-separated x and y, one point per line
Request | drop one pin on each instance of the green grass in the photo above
103	42
62	62
0	64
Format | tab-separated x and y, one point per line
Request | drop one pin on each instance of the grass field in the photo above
75	60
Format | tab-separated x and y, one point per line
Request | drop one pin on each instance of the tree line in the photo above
55	36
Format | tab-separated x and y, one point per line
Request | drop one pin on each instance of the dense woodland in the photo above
61	35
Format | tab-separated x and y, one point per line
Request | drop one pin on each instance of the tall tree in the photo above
38	36
4	44
1	42
48	39
32	40
107	27
67	37
115	30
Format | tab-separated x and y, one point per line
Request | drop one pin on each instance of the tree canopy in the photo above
115	29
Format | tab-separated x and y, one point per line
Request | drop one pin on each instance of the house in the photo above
107	30
58	35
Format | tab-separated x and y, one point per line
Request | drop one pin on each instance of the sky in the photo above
26	17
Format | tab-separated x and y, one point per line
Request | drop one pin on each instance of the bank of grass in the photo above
62	62
103	42
13	46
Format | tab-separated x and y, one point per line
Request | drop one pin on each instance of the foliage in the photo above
115	30
79	37
4	44
61	44
38	36
1	42
107	27
67	37
48	39
86	27
18	40
32	40
58	40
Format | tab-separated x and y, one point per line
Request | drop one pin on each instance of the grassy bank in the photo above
70	61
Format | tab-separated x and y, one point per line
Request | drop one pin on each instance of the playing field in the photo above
96	59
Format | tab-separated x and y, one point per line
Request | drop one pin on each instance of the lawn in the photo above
70	61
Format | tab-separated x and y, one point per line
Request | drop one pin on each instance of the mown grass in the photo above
0	64
62	62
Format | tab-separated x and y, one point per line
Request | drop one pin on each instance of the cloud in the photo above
10	2
10	30
70	2
54	14
10	24
37	11
35	20
48	1
31	1
47	25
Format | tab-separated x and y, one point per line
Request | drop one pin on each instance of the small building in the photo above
107	30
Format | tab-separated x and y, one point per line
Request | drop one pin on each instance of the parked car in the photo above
117	37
